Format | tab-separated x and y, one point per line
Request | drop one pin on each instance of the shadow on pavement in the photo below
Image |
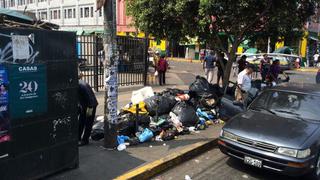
97	162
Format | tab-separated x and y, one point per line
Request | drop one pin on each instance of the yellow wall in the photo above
152	44
303	46
279	44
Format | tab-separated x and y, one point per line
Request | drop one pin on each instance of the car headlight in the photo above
294	152
229	136
304	153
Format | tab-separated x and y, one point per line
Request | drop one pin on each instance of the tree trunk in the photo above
227	70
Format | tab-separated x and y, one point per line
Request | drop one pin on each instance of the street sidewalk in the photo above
99	163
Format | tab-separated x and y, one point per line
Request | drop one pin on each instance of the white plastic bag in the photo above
156	73
141	94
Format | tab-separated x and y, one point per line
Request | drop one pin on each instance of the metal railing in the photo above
132	68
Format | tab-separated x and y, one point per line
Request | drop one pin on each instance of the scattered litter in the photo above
150	146
141	94
164	144
197	161
187	177
121	147
245	176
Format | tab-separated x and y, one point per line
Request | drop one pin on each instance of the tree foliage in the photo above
205	19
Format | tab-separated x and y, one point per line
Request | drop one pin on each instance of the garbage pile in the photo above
164	116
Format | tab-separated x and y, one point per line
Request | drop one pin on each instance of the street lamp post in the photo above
110	73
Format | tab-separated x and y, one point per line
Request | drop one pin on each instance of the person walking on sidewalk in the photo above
264	67
221	64
87	111
162	68
209	65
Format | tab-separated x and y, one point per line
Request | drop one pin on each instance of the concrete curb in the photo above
151	169
307	70
184	60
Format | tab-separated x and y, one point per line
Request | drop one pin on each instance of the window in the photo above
69	16
70	13
65	13
21	2
74	13
42	0
81	12
12	3
86	12
55	14
100	13
30	1
43	15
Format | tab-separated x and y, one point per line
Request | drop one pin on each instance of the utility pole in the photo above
110	73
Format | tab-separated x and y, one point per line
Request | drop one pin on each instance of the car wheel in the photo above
315	173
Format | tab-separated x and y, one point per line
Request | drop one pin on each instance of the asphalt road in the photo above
213	165
187	72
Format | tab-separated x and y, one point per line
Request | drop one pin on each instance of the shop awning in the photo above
15	14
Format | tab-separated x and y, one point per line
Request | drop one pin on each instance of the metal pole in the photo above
110	72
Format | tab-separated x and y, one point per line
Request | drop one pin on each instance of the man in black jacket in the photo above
87	111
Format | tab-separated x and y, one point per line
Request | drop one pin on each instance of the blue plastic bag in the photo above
146	135
121	139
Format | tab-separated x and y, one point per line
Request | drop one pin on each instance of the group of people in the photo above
211	61
269	73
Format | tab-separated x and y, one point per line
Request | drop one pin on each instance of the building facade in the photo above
71	15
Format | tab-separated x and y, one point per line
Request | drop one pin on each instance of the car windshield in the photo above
289	104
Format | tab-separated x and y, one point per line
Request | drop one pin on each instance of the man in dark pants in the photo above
221	64
88	105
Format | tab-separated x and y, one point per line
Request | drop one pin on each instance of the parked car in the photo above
286	61
280	131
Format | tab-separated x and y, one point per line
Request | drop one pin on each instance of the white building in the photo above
71	15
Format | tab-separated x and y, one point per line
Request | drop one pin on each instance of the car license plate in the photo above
253	162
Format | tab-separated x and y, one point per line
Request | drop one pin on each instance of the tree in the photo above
211	20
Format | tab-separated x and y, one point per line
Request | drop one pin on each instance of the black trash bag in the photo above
186	113
97	131
216	89
195	102
172	92
208	100
199	86
160	104
127	124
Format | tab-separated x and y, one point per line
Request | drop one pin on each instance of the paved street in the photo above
215	165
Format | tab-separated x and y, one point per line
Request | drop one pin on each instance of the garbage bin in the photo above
38	102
